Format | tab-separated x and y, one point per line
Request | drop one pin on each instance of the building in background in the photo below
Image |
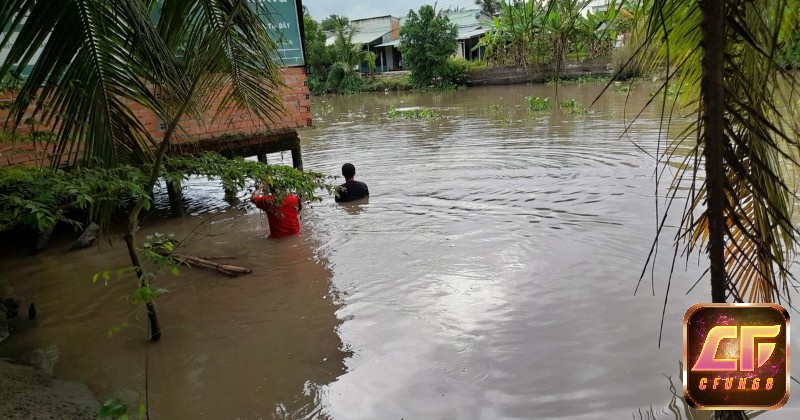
472	25
595	6
379	35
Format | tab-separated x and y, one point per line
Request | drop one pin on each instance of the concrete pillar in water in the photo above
262	157
297	158
175	198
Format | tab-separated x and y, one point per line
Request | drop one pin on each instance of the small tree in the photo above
426	41
343	50
317	55
370	57
489	7
334	22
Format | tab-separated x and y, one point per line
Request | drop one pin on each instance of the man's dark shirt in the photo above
354	190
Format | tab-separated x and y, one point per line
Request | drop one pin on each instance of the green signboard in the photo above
284	27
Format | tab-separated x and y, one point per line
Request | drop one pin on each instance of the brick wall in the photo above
232	122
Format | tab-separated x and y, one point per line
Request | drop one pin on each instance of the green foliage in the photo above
427	40
178	59
582	80
516	36
456	72
115	409
668	90
326	108
790	51
9	82
536	103
155	258
343	50
344	82
573	106
621	87
488	7
41	197
334	22
342	79
596	32
544	32
568	103
100	57
237	173
316	83
370	57
423	113
637	57
318	56
561	26
739	155
393	83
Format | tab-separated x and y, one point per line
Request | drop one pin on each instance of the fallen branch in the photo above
227	269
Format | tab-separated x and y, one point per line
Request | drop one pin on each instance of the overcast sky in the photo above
360	9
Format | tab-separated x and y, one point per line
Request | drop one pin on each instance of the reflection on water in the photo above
490	275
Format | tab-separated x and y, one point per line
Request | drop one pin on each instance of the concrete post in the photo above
297	158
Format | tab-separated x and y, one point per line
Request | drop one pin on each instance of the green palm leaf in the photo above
759	139
91	66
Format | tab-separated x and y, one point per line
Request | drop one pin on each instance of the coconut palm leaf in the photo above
758	139
225	43
173	57
94	59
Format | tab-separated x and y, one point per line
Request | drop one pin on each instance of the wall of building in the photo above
230	123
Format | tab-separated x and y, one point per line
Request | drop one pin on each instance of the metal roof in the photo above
473	32
394	43
361	37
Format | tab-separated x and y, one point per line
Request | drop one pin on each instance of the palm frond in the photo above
226	55
94	58
760	148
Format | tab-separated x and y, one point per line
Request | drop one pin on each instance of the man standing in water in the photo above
282	216
351	189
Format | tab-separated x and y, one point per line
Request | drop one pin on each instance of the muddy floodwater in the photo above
490	275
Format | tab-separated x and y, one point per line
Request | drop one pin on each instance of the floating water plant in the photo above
573	106
620	87
536	103
413	113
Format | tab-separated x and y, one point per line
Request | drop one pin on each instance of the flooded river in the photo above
491	275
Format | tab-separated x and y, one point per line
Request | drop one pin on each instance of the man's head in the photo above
348	171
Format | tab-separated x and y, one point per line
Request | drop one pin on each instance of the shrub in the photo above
342	79
456	72
387	83
316	85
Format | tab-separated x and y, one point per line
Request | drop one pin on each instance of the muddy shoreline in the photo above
28	392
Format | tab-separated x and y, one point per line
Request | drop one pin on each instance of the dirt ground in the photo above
29	393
